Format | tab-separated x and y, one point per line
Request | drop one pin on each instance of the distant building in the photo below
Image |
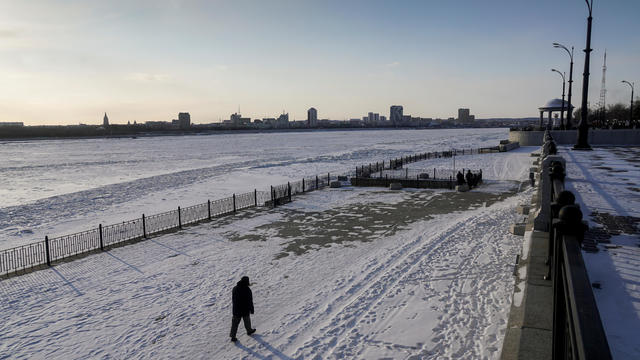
464	117
15	123
395	115
158	124
312	117
105	120
383	119
269	121
238	120
184	120
372	119
283	121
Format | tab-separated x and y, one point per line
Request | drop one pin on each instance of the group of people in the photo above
472	180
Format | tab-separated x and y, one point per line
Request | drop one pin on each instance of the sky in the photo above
68	61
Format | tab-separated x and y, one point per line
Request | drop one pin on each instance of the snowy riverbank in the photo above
434	286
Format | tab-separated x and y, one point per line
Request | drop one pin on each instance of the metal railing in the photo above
45	252
33	255
577	328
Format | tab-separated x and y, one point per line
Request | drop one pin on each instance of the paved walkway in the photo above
606	182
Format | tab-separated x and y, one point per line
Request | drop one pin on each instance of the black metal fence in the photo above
577	328
421	174
45	252
399	163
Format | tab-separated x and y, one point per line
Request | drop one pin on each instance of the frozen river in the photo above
55	187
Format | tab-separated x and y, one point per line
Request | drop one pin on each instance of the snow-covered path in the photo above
440	287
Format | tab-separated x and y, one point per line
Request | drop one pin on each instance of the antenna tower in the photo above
602	104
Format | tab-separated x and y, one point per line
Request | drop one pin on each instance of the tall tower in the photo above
602	103
105	120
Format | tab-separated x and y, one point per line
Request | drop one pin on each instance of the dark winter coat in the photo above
460	178
469	178
242	298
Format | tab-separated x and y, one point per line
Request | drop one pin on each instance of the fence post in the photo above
302	184
317	179
289	190
209	209
406	173
46	243
234	203
273	200
328	179
144	226
434	173
179	218
101	242
255	197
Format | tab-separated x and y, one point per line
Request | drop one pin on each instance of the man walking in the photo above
242	307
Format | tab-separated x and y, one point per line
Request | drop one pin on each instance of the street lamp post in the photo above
631	108
583	128
561	111
570	112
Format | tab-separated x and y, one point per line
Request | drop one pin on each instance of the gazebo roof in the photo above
555	105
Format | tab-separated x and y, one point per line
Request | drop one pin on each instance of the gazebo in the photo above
554	105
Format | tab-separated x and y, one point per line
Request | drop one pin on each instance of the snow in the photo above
605	180
438	288
58	187
387	280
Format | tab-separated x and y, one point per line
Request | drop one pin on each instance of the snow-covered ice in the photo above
57	187
432	287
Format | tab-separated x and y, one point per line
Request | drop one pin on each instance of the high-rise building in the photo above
464	116
105	120
395	115
312	117
184	120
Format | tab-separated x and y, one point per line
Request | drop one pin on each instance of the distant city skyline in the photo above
69	62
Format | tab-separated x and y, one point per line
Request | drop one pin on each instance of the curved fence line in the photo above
45	252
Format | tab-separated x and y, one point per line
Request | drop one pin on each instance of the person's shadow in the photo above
275	352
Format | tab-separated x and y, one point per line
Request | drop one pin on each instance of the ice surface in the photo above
56	187
439	288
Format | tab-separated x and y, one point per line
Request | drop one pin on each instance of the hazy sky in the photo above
65	61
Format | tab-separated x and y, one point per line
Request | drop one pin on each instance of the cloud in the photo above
392	64
146	77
